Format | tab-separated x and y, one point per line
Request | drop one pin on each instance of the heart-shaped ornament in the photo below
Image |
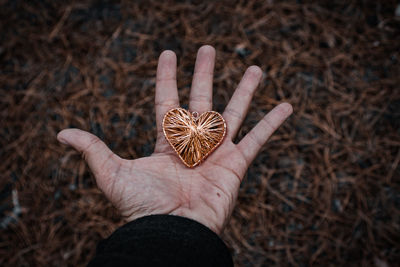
193	137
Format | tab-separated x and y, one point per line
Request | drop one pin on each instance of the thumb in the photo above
101	160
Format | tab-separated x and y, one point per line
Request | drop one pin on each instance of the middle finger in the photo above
201	92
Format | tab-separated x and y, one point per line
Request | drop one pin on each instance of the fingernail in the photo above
61	140
288	108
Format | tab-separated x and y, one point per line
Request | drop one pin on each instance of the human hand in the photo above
161	183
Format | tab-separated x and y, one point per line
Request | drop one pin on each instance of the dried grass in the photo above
324	190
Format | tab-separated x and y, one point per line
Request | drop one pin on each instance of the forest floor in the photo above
324	191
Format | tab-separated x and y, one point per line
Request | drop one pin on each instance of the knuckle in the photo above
244	159
165	103
268	125
166	79
253	137
234	113
93	141
200	98
89	148
246	92
203	74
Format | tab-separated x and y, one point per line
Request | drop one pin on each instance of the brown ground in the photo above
324	191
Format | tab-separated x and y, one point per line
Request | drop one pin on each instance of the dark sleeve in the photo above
162	240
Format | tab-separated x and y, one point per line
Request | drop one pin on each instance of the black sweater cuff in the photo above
162	240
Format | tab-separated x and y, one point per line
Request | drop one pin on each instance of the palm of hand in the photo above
161	183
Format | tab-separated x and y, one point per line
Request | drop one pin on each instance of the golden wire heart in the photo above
193	137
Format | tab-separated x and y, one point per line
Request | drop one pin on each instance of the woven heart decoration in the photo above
193	137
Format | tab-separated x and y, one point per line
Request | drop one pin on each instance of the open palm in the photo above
161	183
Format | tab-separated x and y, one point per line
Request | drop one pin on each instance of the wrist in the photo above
207	221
